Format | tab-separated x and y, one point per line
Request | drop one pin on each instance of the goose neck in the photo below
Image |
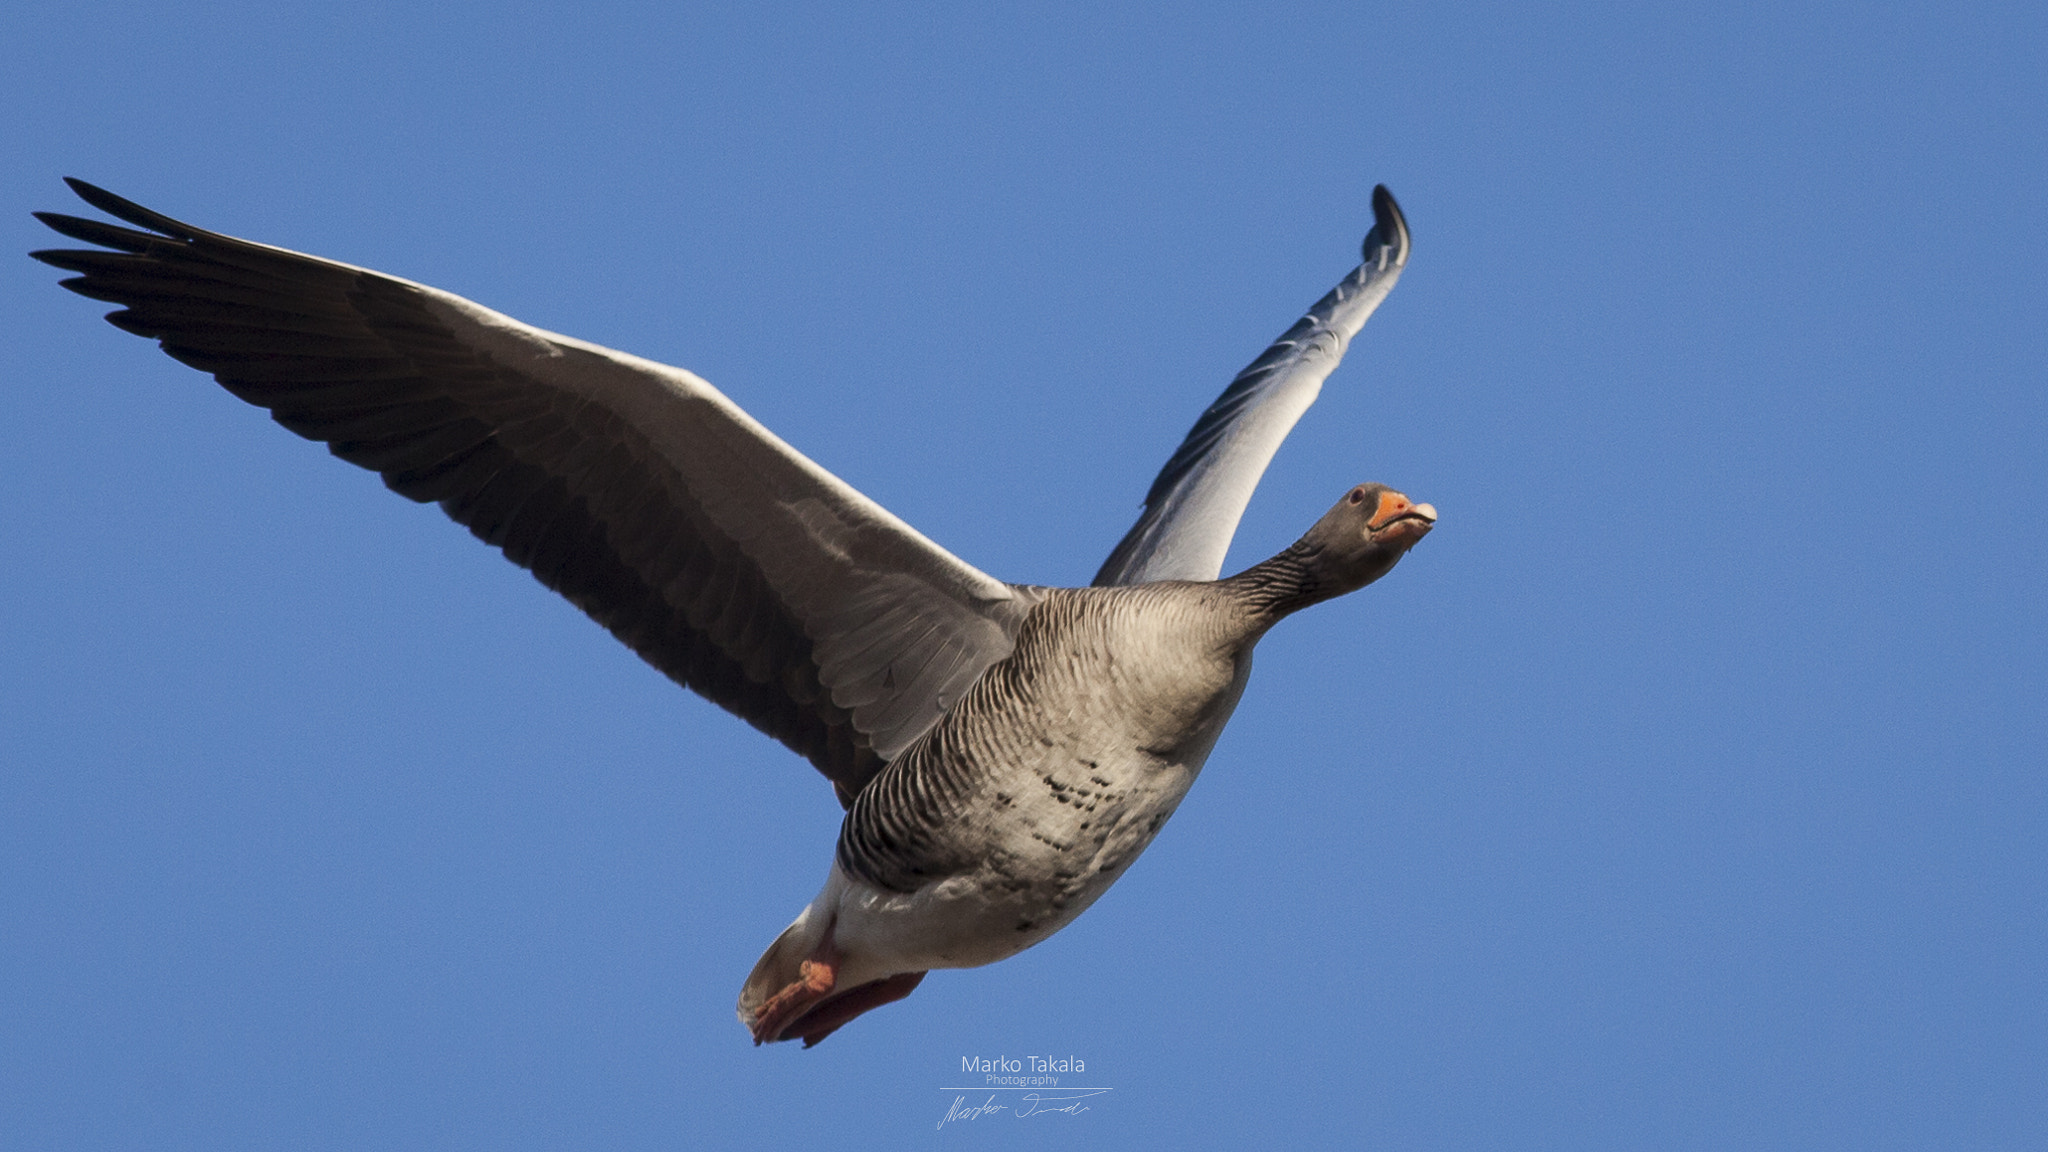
1280	586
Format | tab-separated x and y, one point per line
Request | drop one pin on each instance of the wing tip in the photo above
122	208
1389	229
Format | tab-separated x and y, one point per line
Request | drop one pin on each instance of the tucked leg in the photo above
826	1018
815	980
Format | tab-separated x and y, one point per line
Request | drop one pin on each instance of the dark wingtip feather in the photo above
54	257
130	211
95	232
126	321
1389	227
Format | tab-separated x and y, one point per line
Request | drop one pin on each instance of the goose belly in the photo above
1030	836
1038	872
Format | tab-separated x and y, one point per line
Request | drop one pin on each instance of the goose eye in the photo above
1357	496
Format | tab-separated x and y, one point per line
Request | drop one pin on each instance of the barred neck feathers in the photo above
1356	542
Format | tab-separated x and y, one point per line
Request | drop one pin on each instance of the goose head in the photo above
1356	542
1363	536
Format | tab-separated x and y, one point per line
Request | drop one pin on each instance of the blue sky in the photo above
1685	789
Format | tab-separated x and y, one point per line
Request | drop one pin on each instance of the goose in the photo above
1003	751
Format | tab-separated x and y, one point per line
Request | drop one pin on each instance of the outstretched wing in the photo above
720	554
1193	507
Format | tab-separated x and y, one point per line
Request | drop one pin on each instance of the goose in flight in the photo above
1003	751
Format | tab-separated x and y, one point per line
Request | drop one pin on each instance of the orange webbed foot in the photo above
815	980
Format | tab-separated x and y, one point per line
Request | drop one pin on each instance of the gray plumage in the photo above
1004	751
1029	798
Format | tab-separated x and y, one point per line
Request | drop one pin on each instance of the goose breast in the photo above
1053	773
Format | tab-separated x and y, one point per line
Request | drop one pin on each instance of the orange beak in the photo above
1394	506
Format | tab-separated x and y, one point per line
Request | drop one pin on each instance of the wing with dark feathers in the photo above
717	552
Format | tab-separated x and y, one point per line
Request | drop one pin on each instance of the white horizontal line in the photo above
1016	1088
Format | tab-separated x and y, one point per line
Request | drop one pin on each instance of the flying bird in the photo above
1003	751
